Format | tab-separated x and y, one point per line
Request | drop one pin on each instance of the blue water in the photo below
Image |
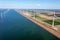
14	26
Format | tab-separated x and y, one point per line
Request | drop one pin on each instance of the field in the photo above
56	22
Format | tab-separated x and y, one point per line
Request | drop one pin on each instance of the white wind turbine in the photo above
4	14
53	21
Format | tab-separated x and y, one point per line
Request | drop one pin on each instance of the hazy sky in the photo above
30	4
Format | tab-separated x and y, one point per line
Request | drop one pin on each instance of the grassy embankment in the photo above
57	21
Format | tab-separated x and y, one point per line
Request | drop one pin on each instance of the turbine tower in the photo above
53	26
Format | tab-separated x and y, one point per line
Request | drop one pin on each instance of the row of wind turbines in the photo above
53	19
3	14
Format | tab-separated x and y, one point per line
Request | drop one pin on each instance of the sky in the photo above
30	4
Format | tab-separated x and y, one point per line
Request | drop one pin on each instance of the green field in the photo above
57	22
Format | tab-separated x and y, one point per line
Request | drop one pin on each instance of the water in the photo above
14	26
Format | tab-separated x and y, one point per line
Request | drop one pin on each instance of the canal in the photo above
14	26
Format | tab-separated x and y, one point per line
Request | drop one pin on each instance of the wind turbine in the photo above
1	15
4	14
34	14
53	26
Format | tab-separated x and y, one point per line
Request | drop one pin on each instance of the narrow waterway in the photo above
14	26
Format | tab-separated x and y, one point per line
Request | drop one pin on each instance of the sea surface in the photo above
14	26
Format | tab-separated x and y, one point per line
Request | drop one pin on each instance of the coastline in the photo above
40	23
